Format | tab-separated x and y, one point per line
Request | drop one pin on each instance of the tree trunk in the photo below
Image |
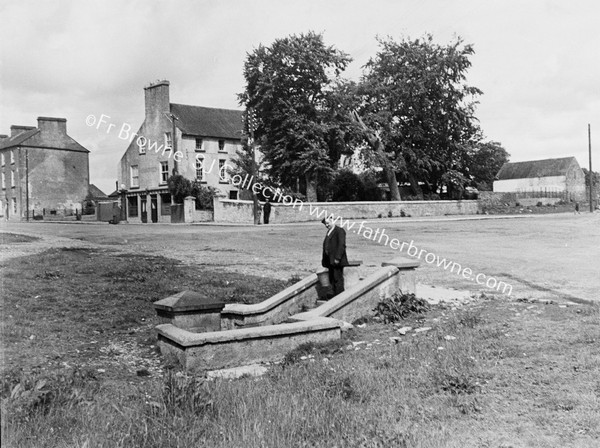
388	170
390	176
377	145
414	185
311	188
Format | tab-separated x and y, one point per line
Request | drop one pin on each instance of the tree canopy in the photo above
414	93
484	160
289	89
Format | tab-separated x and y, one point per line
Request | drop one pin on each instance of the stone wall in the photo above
222	349
396	276
193	215
489	199
237	211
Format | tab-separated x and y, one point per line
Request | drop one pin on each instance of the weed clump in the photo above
311	348
400	306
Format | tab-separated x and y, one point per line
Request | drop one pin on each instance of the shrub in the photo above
539	204
204	196
370	190
400	306
179	187
346	186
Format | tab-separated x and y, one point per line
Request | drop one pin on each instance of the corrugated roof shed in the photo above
535	168
208	121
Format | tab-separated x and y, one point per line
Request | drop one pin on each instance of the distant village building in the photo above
199	141
559	176
43	170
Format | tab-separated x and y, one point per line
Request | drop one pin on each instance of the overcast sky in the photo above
536	61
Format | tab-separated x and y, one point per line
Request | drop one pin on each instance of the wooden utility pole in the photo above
591	177
27	181
174	145
251	123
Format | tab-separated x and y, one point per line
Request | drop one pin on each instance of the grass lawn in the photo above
80	369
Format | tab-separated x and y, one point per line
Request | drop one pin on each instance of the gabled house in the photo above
196	142
44	171
560	176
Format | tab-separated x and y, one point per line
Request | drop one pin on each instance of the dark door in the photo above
154	207
144	209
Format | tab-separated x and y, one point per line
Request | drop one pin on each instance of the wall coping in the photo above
272	302
187	339
279	204
188	301
349	295
402	263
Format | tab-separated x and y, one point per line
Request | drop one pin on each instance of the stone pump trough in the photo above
205	334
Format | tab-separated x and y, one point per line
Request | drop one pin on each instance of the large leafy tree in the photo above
414	94
484	160
289	87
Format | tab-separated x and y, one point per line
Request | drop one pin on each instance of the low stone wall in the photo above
292	300
190	213
236	211
489	199
363	297
267	342
222	349
531	202
274	310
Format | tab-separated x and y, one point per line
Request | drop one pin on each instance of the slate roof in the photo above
34	138
535	168
208	121
95	192
11	142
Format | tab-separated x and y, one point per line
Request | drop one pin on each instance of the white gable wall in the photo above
550	183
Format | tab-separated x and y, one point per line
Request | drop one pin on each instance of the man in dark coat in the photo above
334	255
267	210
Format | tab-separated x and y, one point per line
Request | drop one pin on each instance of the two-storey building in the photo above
196	142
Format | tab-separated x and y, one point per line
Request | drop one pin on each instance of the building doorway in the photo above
143	204
154	208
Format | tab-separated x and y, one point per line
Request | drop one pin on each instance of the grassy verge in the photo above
80	307
11	238
495	374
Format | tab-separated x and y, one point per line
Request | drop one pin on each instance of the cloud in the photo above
535	60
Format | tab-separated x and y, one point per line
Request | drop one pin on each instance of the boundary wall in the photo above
239	211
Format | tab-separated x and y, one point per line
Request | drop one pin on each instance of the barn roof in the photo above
535	168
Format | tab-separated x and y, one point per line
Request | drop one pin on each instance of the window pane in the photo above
132	206
165	204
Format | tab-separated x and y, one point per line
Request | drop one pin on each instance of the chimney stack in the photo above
156	97
52	125
17	129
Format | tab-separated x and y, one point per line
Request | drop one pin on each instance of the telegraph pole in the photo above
591	177
27	181
174	144
252	128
